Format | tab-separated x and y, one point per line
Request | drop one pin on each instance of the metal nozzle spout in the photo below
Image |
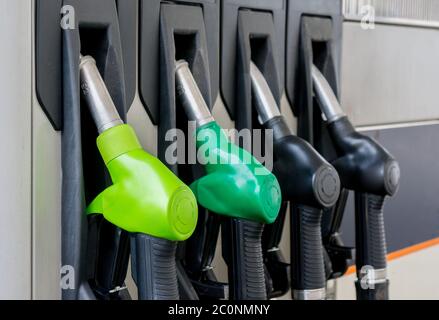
265	104
327	100
190	95
95	92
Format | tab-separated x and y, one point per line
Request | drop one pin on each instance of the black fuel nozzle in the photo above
309	182
372	173
362	163
304	175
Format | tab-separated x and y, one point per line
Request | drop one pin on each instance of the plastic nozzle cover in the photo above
236	184
362	163
305	177
146	197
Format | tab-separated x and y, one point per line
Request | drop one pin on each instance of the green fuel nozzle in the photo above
146	197
235	184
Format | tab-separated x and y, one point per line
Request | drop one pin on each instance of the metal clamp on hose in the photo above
372	276
315	294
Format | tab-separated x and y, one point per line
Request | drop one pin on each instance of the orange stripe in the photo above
403	252
351	270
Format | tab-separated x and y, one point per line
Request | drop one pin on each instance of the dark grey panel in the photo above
412	216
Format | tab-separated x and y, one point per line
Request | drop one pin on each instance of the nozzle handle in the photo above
371	249
242	251
154	268
308	279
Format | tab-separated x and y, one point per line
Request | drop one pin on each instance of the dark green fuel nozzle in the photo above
236	184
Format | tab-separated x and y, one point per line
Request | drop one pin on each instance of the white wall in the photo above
15	139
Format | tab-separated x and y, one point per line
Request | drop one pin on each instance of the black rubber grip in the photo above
307	261
154	268
245	261
370	234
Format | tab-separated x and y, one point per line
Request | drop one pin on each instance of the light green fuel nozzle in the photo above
146	197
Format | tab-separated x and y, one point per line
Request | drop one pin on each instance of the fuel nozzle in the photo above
363	164
304	175
370	170
145	197
237	184
309	182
